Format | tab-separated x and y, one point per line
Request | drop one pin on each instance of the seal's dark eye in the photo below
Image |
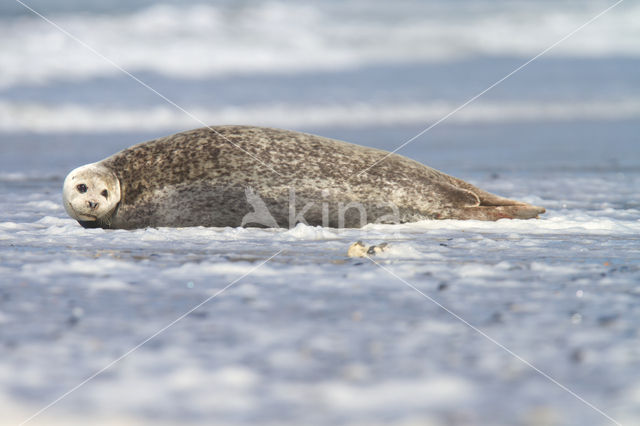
104	193
82	188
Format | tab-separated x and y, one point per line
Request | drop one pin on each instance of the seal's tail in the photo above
493	207
515	211
501	207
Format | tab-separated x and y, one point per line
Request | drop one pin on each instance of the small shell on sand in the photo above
359	249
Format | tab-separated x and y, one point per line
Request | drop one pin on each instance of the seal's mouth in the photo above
89	220
86	220
83	217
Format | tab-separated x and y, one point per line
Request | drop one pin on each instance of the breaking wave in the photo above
286	37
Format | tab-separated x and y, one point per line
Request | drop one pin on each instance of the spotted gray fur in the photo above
200	177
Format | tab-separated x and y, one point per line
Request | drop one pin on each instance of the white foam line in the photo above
136	347
21	117
495	342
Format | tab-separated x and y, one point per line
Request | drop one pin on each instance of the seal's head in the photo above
90	195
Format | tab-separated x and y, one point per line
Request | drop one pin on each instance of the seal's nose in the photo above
92	205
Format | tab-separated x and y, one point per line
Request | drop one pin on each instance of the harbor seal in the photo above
255	176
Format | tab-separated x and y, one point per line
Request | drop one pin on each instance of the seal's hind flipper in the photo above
493	207
516	211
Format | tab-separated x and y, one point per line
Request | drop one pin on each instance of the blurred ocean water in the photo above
314	66
314	338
